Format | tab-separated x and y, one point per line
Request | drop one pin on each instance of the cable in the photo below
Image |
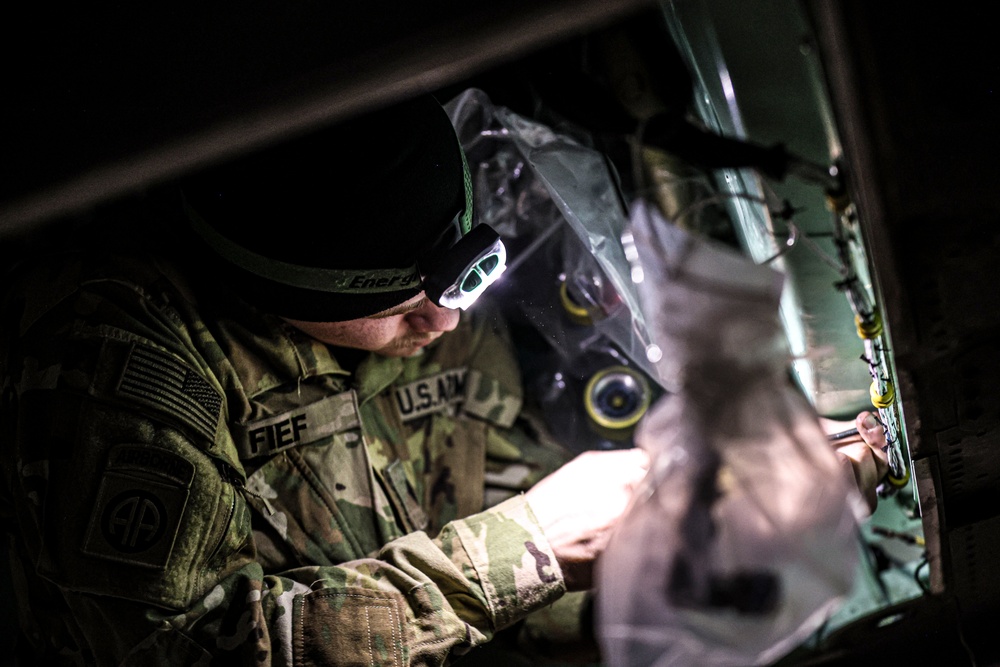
897	535
916	574
870	328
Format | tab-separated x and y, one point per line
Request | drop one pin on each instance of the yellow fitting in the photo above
616	398
576	313
869	329
899	482
881	401
838	202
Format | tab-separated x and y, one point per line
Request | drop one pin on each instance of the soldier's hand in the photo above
579	505
864	456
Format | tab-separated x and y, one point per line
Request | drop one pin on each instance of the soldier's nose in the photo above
430	318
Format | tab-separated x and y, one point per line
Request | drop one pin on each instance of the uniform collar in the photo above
374	374
371	374
311	356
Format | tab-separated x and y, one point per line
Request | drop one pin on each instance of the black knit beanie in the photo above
329	226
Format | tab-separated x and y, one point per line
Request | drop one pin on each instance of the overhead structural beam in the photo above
431	57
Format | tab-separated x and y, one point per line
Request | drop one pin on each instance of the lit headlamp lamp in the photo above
459	276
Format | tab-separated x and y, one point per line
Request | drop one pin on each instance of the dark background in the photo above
104	102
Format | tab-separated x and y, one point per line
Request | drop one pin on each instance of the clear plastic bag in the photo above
566	293
743	538
555	203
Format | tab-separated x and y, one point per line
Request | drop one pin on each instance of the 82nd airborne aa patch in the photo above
139	506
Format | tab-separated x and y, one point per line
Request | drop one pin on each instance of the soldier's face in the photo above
398	332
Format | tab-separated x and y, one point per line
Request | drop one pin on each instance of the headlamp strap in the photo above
466	220
339	281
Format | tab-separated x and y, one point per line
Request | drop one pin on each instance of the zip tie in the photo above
869	328
881	401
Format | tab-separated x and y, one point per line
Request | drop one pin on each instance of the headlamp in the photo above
460	275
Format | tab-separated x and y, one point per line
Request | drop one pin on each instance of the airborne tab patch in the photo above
139	506
431	394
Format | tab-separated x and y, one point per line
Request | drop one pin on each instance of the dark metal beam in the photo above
108	103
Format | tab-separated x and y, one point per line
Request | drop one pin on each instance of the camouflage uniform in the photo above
184	488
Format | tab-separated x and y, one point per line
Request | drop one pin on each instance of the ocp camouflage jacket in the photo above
188	481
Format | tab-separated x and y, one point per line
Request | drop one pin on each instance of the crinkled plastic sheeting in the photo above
555	203
743	537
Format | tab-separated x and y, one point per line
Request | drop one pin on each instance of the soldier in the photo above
273	441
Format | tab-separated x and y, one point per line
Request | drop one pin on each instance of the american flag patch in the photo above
159	379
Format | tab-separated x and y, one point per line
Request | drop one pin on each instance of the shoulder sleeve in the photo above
134	538
151	556
432	598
